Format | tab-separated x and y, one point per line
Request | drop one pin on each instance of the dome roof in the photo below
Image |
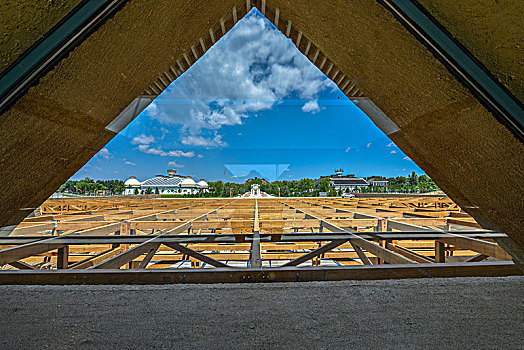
203	183
162	181
188	182
132	182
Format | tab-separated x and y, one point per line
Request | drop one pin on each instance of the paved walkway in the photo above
460	313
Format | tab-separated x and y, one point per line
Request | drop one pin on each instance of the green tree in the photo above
323	184
306	185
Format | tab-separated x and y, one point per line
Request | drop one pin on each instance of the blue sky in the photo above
253	105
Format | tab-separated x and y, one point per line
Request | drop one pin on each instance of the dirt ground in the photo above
460	313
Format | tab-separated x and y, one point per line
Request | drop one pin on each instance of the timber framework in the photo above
221	240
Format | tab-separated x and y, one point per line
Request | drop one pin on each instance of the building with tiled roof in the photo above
377	181
346	182
338	181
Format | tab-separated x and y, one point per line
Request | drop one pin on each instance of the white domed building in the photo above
188	186
167	184
203	186
130	185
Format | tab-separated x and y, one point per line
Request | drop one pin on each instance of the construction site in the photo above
426	249
443	80
231	236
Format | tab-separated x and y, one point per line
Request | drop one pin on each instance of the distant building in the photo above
255	190
377	181
130	185
338	181
171	183
347	182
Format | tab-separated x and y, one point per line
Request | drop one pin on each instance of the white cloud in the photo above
149	150
406	158
200	156
129	163
368	145
104	152
348	149
311	107
251	69
393	152
175	164
195	140
391	144
143	139
189	154
159	152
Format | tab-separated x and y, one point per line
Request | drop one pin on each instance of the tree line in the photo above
88	185
413	183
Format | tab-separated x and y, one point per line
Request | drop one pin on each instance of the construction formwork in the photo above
207	240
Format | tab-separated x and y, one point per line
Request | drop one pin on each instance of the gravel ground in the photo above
459	313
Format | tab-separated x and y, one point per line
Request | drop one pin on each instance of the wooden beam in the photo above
378	251
478	257
245	275
365	260
125	257
314	253
255	258
477	245
410	254
466	223
131	254
62	258
148	257
98	258
196	255
12	254
22	265
440	252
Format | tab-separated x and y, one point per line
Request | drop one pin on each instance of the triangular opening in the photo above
254	106
252	112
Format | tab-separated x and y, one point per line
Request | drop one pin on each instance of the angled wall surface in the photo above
61	122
